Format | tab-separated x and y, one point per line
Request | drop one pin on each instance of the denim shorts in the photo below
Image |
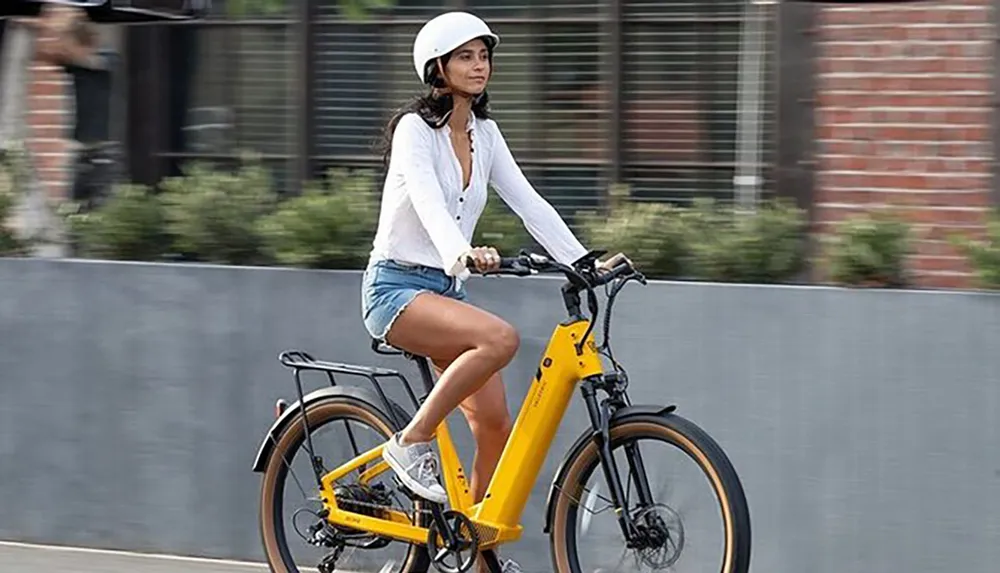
388	286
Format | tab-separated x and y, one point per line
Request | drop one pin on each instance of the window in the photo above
351	88
551	93
681	85
231	87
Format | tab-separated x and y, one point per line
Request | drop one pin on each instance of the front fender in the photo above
620	416
368	397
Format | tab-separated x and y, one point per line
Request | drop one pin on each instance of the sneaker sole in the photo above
409	481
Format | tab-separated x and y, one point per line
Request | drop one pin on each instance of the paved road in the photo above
18	558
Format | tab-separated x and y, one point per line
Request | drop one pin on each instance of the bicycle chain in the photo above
381	507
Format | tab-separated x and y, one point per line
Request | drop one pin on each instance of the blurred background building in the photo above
587	92
859	106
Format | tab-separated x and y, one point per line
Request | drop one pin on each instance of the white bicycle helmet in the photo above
444	33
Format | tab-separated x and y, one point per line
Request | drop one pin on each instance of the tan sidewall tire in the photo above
560	551
317	414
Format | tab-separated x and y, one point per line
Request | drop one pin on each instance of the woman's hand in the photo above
610	264
485	258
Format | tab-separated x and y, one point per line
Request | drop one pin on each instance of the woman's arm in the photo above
538	215
412	148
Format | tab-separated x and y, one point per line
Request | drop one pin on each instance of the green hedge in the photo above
870	249
236	217
330	225
13	184
983	254
705	241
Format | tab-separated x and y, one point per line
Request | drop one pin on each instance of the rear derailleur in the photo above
329	563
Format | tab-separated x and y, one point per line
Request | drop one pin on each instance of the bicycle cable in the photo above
611	290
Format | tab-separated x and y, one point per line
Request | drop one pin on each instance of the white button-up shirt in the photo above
427	218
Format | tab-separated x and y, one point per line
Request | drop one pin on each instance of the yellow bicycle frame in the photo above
497	516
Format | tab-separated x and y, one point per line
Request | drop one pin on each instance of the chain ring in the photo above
456	522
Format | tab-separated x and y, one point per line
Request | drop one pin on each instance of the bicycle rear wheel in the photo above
697	519
341	427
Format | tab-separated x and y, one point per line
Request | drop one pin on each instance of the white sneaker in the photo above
416	466
511	566
507	566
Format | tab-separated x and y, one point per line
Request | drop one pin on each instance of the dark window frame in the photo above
785	156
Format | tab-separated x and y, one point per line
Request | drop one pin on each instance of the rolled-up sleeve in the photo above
538	215
412	148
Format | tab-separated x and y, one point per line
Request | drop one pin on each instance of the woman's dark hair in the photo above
433	107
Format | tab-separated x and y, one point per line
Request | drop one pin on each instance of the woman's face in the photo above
468	69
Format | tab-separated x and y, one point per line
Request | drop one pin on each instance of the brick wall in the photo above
904	119
49	117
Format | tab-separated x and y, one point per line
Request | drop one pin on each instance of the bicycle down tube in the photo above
560	371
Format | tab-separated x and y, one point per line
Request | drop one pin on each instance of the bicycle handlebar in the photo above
581	276
527	264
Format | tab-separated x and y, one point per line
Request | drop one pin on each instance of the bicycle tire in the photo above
319	414
690	439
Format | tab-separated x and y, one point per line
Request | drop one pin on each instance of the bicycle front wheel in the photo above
681	491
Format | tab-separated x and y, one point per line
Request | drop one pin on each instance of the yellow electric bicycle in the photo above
630	467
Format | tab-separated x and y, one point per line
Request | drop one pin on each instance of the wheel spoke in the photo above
295	477
692	466
621	560
291	546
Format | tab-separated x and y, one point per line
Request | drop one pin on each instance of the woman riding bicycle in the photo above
441	152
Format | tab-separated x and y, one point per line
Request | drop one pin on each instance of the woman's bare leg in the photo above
489	419
473	346
472	342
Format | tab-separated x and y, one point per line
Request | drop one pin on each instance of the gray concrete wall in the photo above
864	424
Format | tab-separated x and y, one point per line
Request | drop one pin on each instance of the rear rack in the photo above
299	360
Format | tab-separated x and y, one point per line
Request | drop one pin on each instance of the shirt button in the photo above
459	217
461	199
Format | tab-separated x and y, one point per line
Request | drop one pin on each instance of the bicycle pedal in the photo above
406	491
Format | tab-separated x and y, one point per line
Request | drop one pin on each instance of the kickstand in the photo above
492	562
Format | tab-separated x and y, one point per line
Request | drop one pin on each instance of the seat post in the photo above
424	364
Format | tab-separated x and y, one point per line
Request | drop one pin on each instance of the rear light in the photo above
279	407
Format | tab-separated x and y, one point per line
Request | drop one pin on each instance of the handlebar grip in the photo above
623	268
508	266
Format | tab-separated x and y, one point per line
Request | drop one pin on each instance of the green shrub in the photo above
706	241
327	226
501	228
764	246
12	187
653	236
10	243
130	225
870	250
213	215
984	256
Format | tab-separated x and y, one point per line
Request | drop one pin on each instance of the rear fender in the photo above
368	397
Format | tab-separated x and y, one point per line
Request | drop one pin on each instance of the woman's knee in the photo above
502	340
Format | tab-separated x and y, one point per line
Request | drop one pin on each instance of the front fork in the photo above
600	418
